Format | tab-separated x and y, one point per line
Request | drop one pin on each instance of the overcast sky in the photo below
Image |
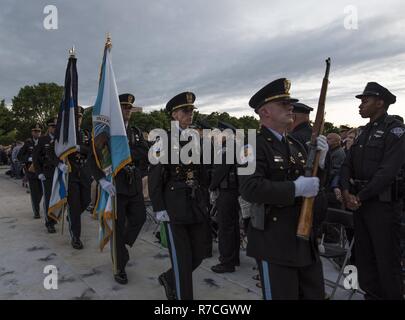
223	50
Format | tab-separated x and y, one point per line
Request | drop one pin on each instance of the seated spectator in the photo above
337	156
350	137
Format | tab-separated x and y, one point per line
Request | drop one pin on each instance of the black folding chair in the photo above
340	250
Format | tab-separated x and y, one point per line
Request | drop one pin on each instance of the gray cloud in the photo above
224	50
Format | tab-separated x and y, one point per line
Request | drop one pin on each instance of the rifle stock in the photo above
311	167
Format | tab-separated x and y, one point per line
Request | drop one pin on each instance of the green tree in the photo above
6	119
35	104
7	124
329	128
148	121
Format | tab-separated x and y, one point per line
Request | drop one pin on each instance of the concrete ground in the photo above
26	249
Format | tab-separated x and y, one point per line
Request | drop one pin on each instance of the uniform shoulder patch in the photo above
247	154
158	148
398	131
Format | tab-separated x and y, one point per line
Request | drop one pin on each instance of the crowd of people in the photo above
361	171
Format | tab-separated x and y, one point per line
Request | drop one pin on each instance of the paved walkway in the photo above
26	249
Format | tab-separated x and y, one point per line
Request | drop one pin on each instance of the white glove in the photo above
63	167
78	148
323	147
162	216
107	186
213	196
307	187
30	159
41	177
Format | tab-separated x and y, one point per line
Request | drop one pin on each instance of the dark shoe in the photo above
121	277
37	216
223	268
51	229
77	244
256	277
170	293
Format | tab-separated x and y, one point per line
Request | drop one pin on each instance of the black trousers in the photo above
291	283
47	191
377	247
131	215
188	248
36	194
78	200
228	227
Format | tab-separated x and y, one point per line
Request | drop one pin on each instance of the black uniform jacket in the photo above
277	166
44	157
78	160
25	156
376	156
170	189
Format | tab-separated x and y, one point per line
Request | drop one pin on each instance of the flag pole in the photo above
64	205
114	219
72	54
108	45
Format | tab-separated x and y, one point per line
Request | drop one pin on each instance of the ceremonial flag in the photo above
110	142
65	138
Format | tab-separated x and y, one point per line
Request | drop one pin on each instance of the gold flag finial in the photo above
108	42
72	52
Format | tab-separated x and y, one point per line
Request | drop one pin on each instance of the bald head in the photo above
334	140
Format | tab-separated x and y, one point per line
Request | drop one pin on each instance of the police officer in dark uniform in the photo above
301	128
78	182
370	187
131	210
290	267
224	180
25	156
45	161
179	195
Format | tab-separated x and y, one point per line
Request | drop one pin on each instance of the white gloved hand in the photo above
214	196
307	187
78	148
162	216
107	186
41	177
323	147
63	167
30	159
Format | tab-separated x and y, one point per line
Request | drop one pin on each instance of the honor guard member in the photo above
131	212
25	156
369	179
290	267
45	161
301	128
179	195
78	182
224	180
